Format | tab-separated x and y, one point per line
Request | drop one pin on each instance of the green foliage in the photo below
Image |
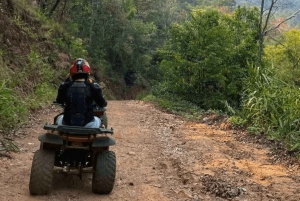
124	43
149	98
129	8
120	33
173	103
32	85
272	106
74	46
77	48
43	91
178	106
68	38
34	80
230	3
205	58
144	96
43	94
24	26
12	111
237	121
6	72
285	56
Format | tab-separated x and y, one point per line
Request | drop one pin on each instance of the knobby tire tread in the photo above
105	173
104	120
41	175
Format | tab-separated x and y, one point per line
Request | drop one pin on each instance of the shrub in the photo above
272	106
237	122
12	111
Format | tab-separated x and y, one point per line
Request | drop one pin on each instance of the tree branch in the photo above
297	63
278	25
277	41
268	17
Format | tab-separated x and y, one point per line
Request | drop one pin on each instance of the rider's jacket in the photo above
78	97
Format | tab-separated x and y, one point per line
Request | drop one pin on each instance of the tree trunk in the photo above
42	4
260	34
63	10
54	7
10	6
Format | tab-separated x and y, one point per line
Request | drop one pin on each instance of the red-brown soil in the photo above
161	157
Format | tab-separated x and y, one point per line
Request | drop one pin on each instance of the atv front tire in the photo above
41	175
105	172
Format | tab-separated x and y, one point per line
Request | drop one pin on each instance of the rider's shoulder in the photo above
95	85
91	80
66	83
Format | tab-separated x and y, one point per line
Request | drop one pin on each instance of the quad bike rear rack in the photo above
59	134
77	130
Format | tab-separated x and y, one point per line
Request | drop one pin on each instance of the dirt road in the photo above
161	157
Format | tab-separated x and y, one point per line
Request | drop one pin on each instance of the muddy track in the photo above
160	157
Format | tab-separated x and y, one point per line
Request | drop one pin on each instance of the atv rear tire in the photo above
41	175
105	173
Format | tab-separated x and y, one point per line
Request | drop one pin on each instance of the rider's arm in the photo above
97	95
61	94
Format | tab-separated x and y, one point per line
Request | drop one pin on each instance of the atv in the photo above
73	150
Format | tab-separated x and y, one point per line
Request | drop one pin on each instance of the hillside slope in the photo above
21	32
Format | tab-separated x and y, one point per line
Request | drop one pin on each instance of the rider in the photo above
78	95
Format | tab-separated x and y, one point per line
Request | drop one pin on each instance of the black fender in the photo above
103	142
51	139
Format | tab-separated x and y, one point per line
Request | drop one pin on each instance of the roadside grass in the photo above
23	91
177	106
270	107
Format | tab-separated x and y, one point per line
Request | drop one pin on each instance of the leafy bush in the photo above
12	111
72	45
272	106
205	58
23	90
285	55
43	94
